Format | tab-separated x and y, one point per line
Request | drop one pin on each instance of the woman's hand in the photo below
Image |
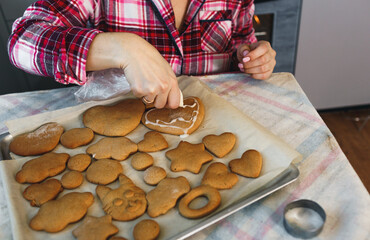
257	59
149	74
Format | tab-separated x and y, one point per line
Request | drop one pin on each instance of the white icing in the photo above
192	119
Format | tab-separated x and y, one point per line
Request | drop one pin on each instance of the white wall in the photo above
333	58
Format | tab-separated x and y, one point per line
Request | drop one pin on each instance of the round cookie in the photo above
76	137
249	165
153	141
214	201
72	179
40	193
141	161
180	121
79	162
146	229
154	175
104	171
116	120
42	140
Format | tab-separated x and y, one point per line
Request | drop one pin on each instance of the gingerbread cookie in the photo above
180	121
188	157
72	179
40	193
118	148
55	215
219	145
116	120
104	171
77	137
42	140
218	176
141	161
164	197
214	201
154	175
146	229
79	162
125	203
37	169
95	228
249	165
152	142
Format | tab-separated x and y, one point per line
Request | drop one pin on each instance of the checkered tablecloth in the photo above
280	105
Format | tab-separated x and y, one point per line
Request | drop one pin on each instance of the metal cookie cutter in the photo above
304	218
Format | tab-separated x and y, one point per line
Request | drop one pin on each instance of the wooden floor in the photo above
353	135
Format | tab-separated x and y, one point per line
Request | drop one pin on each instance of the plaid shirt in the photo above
53	37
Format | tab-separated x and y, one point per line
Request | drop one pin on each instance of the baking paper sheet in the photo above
220	116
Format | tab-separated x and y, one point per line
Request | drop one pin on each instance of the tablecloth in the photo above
280	105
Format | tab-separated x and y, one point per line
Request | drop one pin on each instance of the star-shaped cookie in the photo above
95	228
188	157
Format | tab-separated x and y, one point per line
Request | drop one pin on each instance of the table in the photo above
280	105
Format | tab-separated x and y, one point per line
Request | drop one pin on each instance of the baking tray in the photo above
286	177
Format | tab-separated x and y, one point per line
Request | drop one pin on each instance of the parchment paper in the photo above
220	116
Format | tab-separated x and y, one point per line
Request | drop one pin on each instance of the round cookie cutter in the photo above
304	218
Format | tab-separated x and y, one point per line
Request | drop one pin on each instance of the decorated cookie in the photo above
125	203
104	171
154	175
180	121
214	201
55	215
40	193
249	165
164	197
116	120
152	142
118	148
141	161
42	140
188	157
146	229
218	176
219	145
72	179
79	162
37	169
77	137
95	228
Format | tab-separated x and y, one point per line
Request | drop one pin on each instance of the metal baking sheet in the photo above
283	179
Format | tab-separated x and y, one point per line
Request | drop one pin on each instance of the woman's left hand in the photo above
257	59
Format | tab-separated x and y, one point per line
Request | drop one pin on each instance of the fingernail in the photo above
240	65
241	69
246	59
245	52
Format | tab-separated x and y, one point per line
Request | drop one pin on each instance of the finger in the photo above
264	59
174	97
242	51
269	66
259	49
261	76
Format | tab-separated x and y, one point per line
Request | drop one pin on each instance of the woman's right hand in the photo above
148	73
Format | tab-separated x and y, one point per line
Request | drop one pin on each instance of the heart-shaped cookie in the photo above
116	120
180	121
152	142
218	176
249	165
219	145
